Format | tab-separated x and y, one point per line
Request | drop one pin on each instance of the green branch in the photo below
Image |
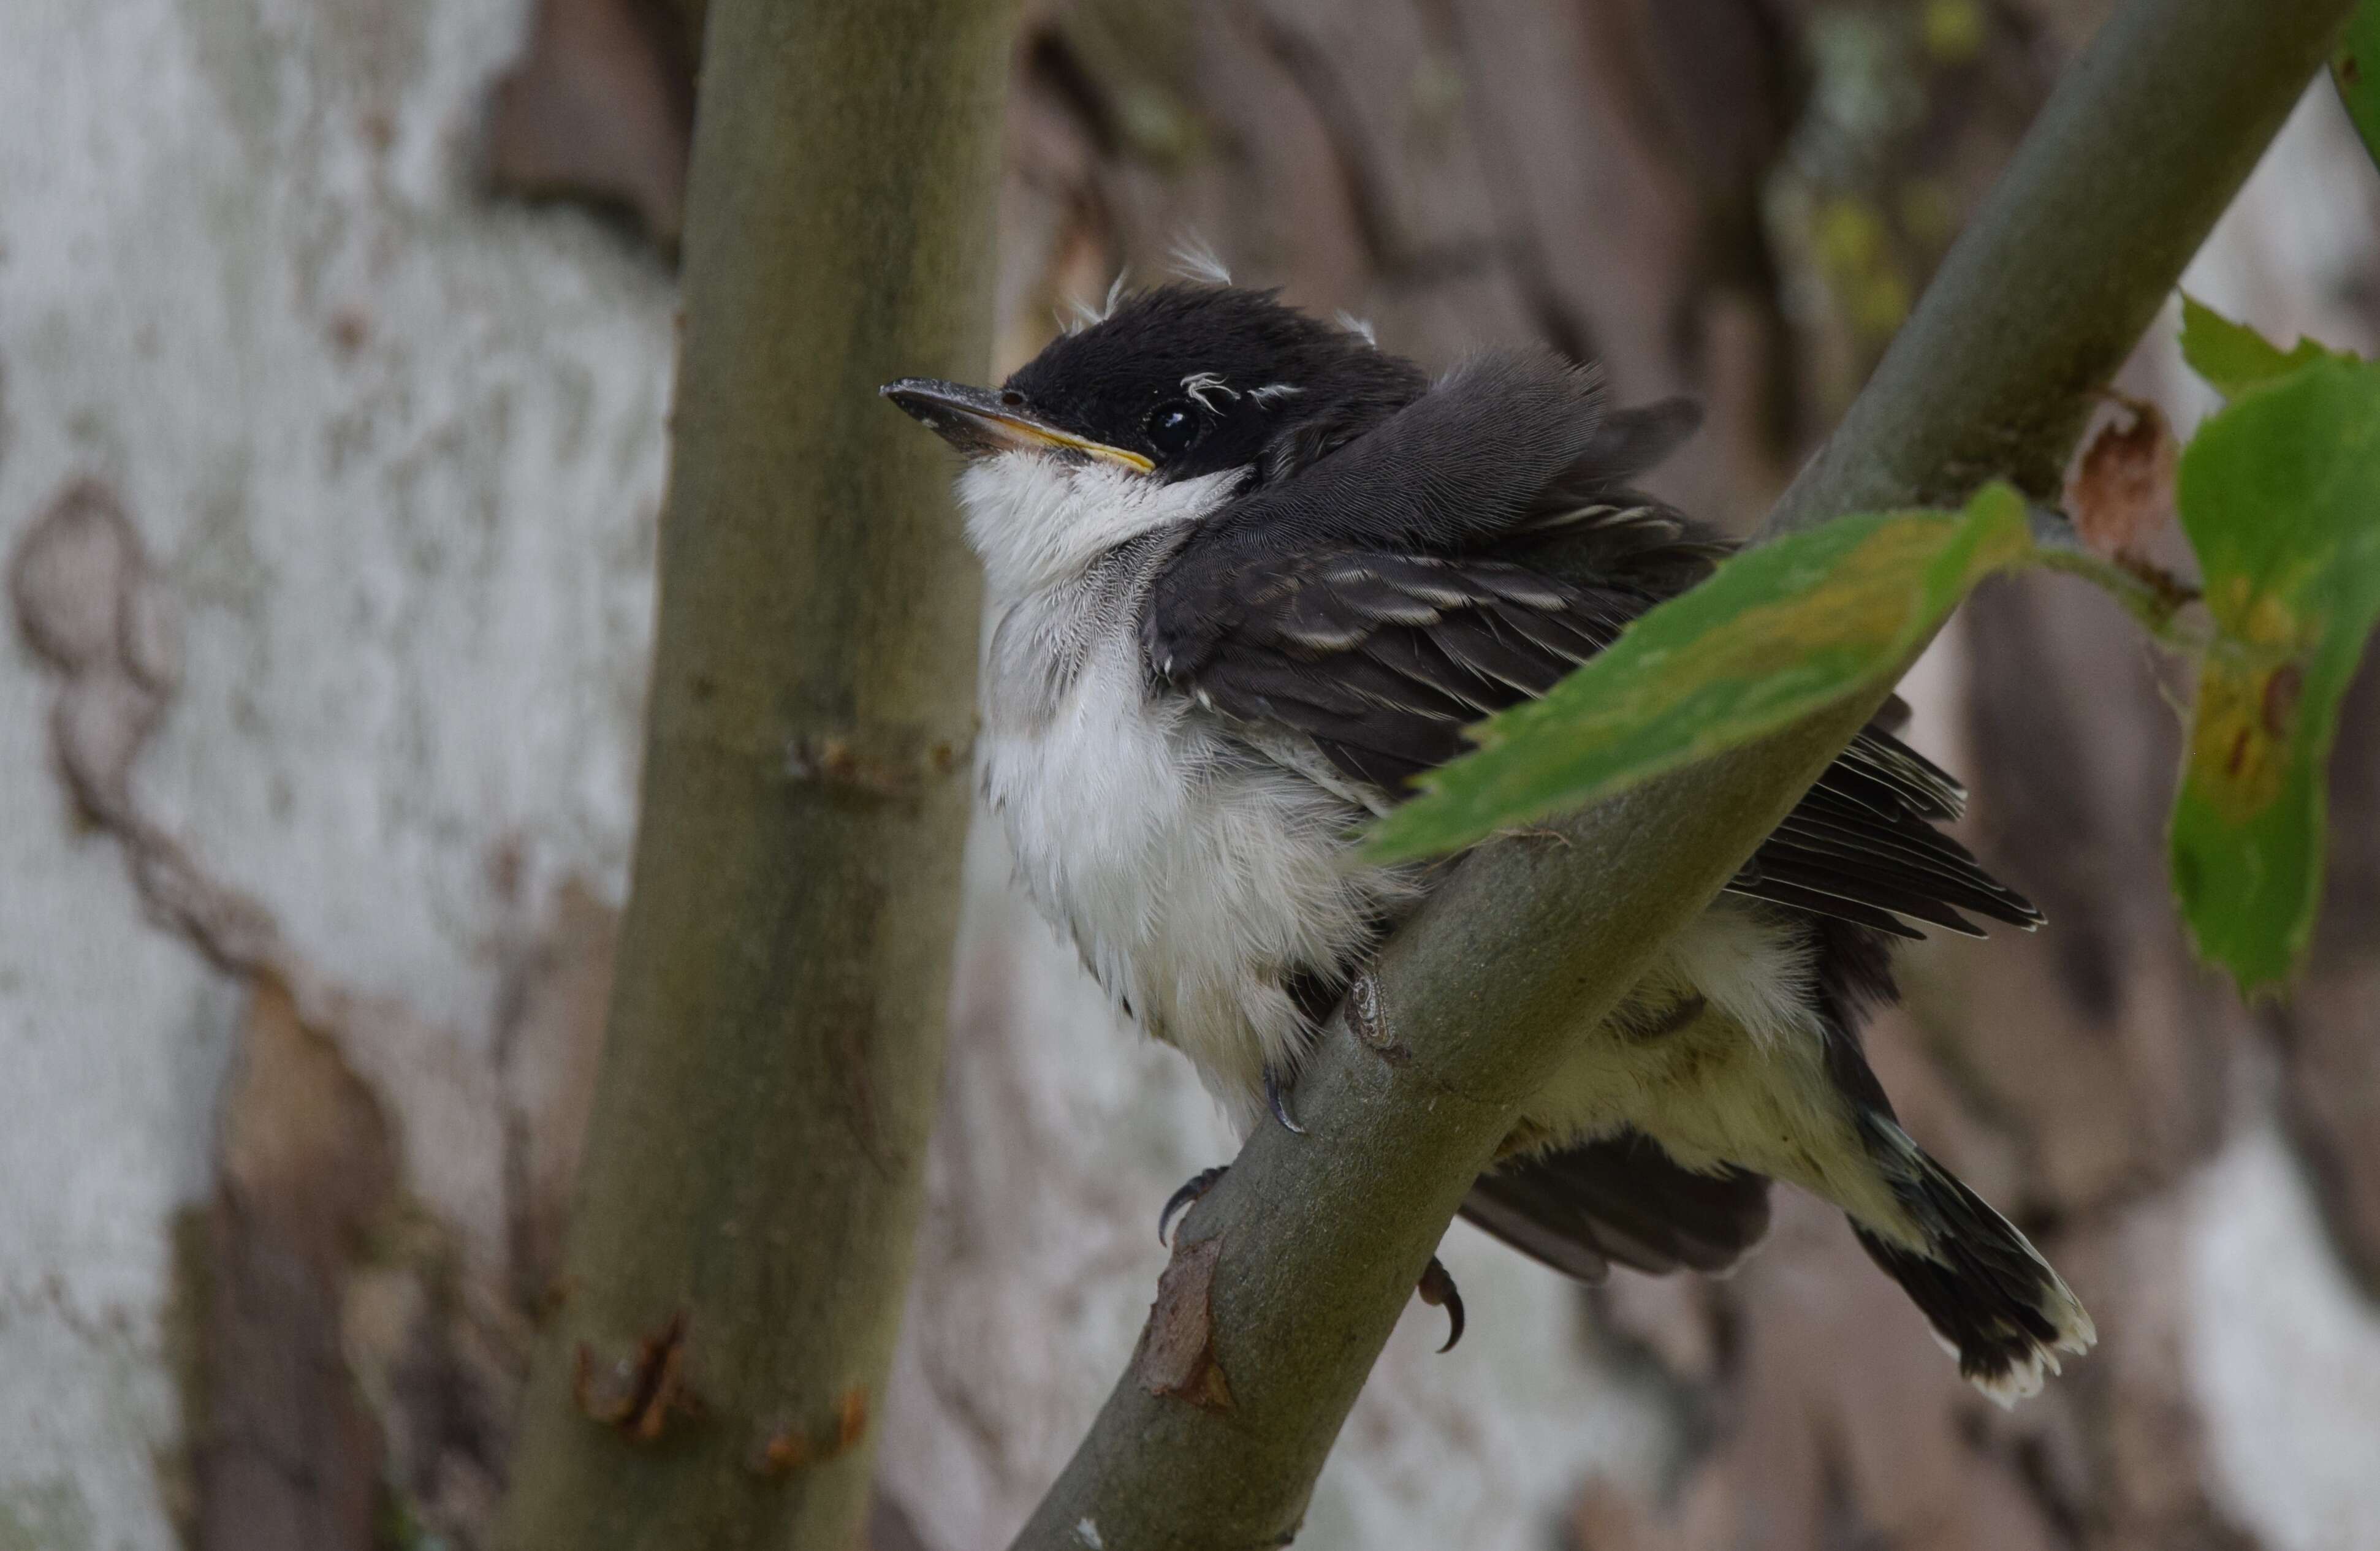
752	1181
2156	601
1290	1275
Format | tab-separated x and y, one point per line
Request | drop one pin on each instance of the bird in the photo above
1249	575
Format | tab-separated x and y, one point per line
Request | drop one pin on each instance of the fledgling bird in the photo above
1250	574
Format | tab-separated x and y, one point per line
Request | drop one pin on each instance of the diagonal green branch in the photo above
1292	1273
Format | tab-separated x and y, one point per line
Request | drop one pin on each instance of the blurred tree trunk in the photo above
749	1191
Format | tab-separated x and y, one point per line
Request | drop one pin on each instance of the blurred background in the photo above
335	344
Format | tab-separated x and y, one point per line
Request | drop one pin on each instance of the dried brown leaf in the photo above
2121	494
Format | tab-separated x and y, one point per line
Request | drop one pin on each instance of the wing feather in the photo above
1381	658
1620	1202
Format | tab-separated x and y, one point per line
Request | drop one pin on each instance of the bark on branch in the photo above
752	1180
1306	1253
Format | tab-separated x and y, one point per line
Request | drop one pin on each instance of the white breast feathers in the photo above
1195	876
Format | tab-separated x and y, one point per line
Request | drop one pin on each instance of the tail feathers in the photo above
1992	1298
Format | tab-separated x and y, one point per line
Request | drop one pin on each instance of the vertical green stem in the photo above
742	1225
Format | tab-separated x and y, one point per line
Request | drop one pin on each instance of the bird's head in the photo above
1155	415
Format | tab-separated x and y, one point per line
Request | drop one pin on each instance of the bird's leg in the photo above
1277	1100
1436	1289
1191	1189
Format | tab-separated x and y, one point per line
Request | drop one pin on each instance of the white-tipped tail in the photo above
1994	1303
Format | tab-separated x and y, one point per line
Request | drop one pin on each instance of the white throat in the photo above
1038	520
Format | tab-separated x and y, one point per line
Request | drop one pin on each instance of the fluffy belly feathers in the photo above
1196	877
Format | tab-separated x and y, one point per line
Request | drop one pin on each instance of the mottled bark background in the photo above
334	344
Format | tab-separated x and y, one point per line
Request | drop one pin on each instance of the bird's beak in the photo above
980	423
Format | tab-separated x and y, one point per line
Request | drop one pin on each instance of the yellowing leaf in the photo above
1775	633
2280	495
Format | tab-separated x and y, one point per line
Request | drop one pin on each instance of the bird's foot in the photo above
1436	1289
1277	1100
1191	1189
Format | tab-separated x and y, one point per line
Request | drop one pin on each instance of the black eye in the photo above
1173	426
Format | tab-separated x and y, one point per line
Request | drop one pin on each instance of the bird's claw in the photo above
1436	1289
1191	1189
1278	1102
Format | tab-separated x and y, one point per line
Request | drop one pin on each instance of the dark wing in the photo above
1383	657
1466	553
1620	1202
1860	846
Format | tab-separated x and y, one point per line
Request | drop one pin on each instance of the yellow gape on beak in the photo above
980	422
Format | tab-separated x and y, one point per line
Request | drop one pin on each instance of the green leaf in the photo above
1775	633
2280	495
2234	358
2355	70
